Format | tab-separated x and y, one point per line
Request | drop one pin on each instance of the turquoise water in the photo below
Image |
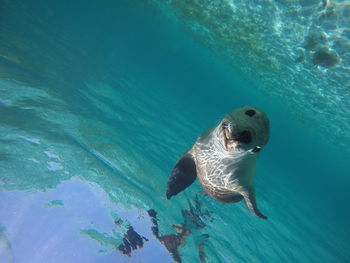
99	99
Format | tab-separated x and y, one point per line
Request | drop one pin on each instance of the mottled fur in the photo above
225	166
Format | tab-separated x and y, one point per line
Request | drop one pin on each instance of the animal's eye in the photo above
256	149
250	113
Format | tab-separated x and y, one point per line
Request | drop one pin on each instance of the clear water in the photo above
98	100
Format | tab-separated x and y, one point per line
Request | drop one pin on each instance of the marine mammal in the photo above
224	158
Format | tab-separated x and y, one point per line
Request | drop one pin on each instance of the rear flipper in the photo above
182	176
249	198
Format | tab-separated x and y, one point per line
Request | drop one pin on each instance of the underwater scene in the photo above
174	131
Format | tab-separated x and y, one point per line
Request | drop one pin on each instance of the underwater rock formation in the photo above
325	57
314	40
193	219
195	214
201	252
131	240
171	241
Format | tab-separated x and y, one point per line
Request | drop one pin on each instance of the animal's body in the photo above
224	158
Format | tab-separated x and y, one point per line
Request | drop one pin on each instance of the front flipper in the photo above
182	176
249	198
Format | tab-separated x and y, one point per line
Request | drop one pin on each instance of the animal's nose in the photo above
243	136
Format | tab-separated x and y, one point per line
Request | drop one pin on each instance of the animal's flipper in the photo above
249	198
182	176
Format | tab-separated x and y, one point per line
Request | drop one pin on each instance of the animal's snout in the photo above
243	137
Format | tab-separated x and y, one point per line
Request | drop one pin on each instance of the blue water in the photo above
99	99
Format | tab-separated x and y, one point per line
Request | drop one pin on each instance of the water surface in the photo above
98	100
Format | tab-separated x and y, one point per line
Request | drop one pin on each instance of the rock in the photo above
325	58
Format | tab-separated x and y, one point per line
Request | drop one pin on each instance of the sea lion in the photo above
224	158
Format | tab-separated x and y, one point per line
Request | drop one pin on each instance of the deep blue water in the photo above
99	99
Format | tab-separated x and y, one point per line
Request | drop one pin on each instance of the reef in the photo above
131	240
201	252
195	214
325	58
193	219
314	40
171	241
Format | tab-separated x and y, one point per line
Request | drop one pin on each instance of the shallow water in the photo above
98	100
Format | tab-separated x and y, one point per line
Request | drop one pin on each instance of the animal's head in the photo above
245	129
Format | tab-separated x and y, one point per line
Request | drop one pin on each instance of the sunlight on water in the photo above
295	51
98	100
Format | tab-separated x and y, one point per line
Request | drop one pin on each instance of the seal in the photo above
224	159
